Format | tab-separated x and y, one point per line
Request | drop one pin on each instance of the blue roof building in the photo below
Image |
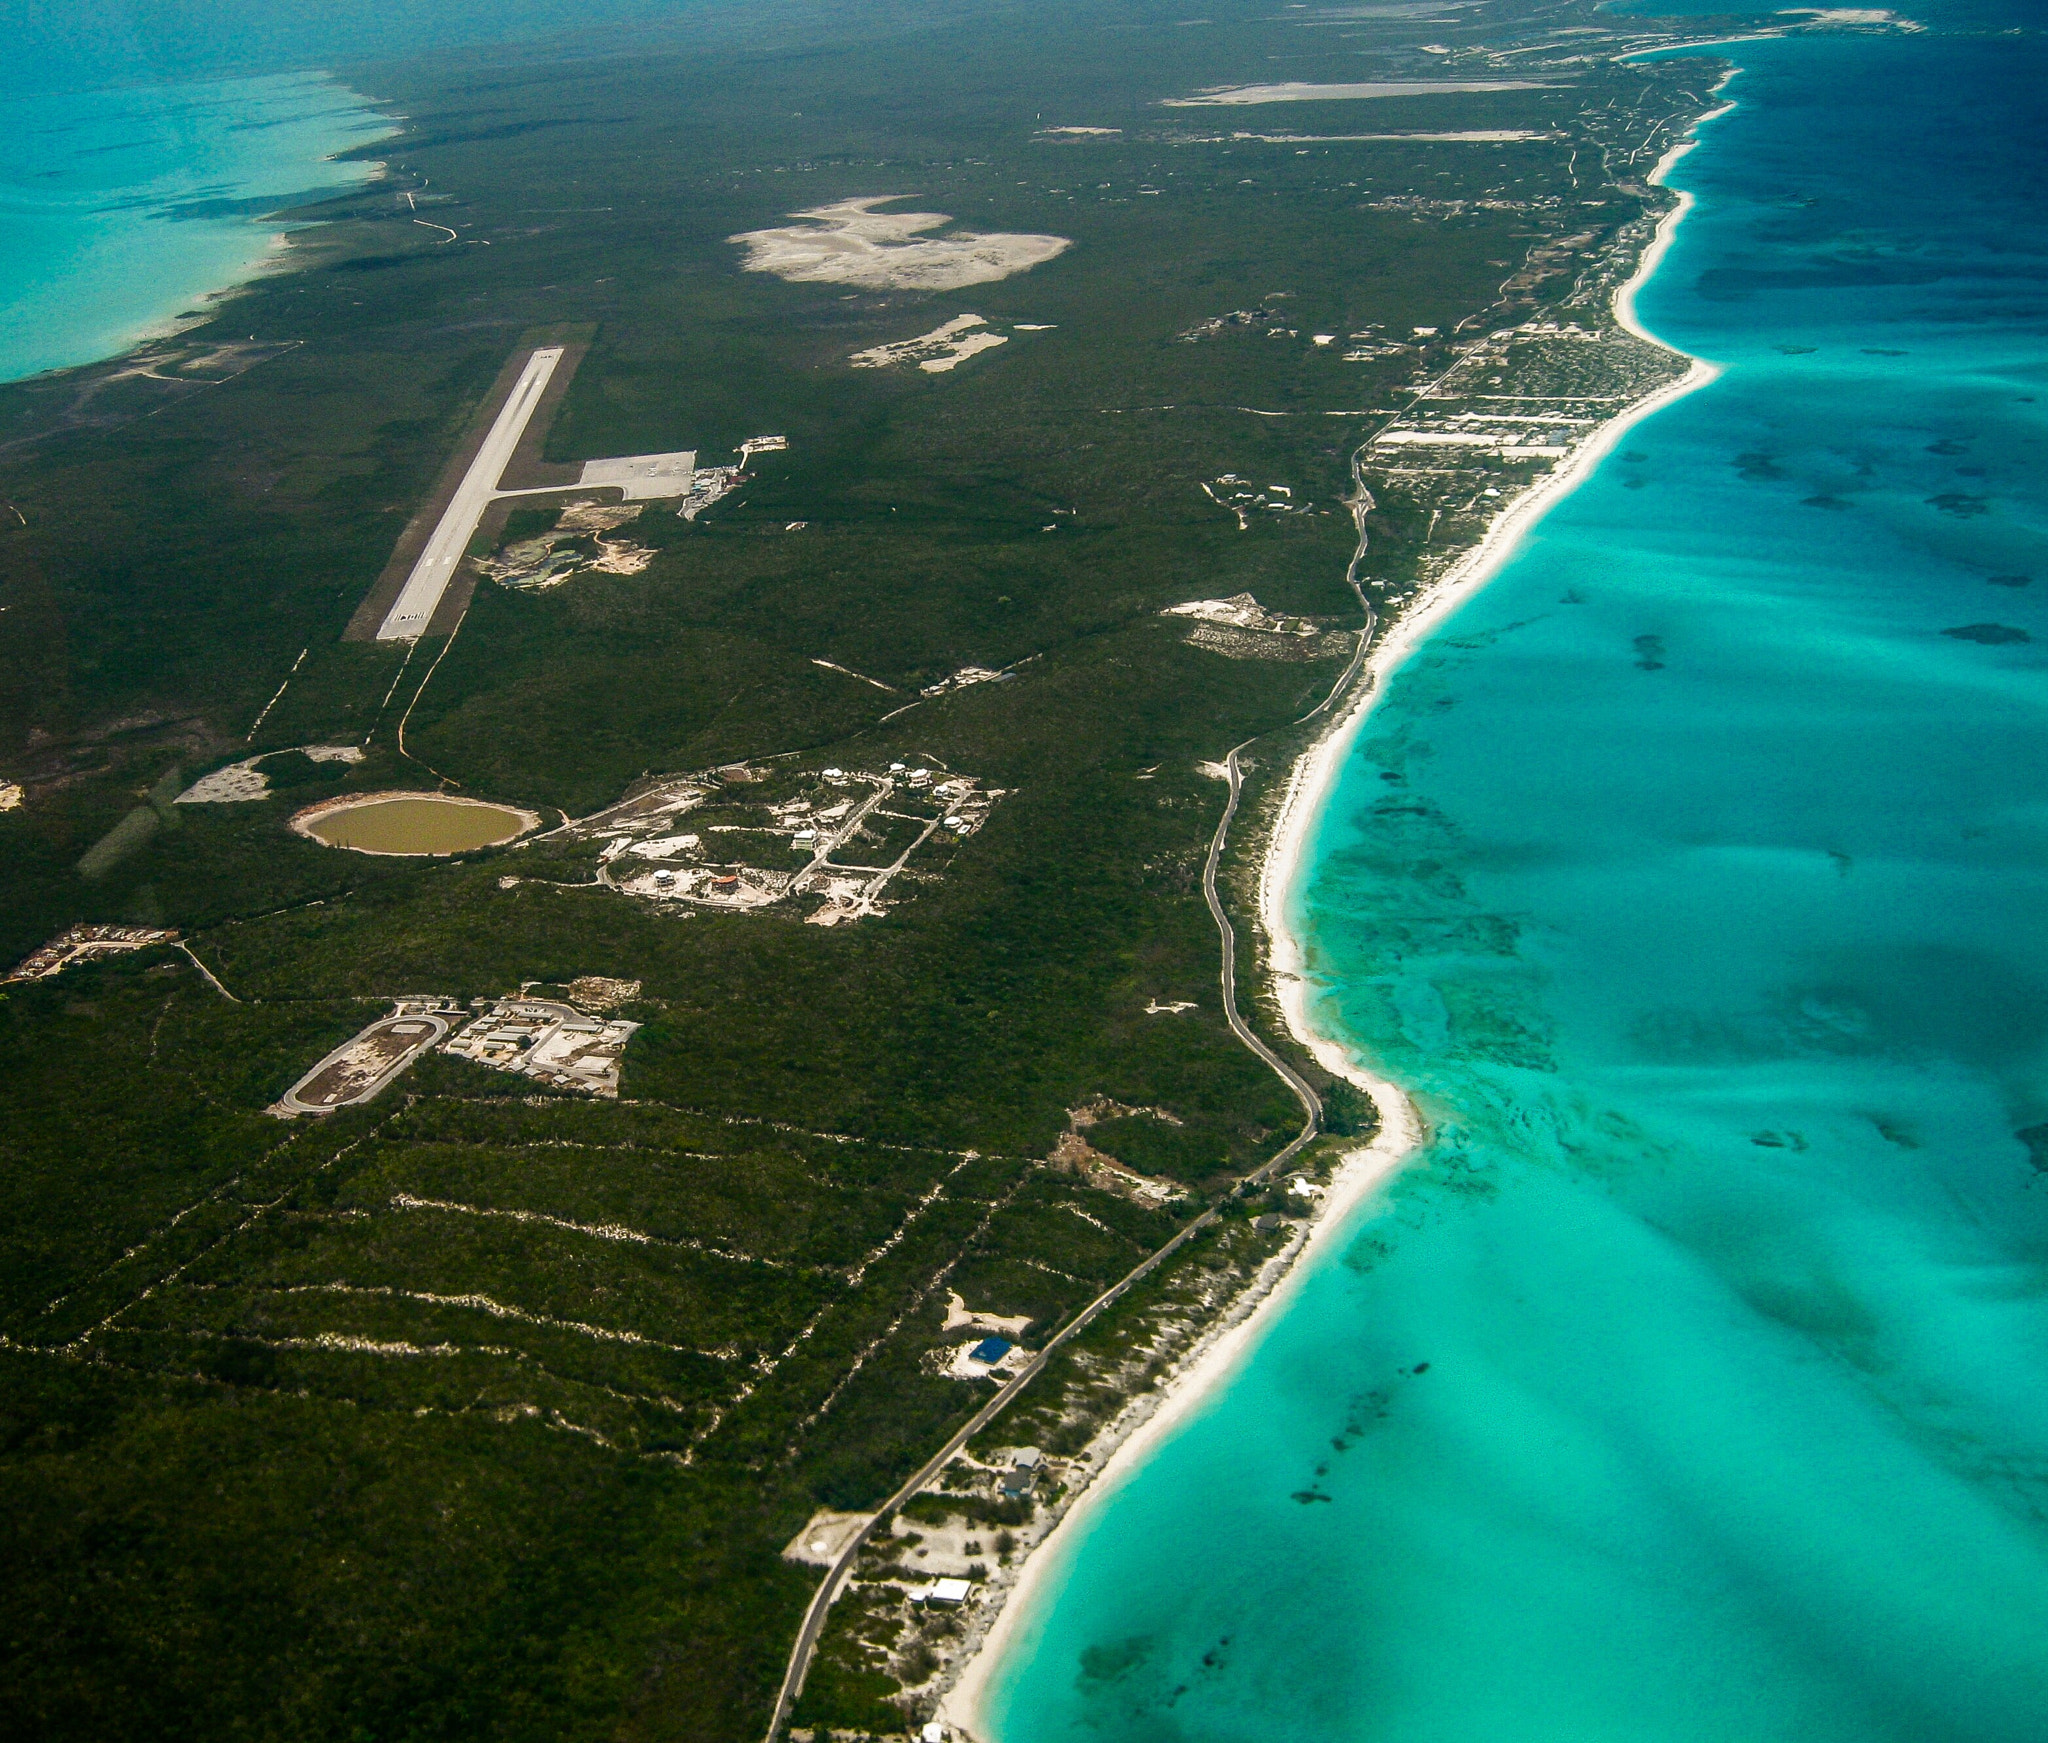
990	1350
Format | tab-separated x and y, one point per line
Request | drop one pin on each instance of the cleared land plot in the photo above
881	840
1296	91
849	242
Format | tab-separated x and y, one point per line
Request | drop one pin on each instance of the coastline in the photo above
1314	775
1122	1447
1120	1450
189	222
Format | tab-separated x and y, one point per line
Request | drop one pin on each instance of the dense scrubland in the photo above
474	1413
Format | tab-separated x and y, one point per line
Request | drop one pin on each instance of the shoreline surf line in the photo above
1314	776
1121	1449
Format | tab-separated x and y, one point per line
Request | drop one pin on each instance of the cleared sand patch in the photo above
851	243
1294	91
941	349
246	779
824	1539
1470	136
1849	15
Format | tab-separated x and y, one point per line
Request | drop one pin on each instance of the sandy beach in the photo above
1126	1443
1314	775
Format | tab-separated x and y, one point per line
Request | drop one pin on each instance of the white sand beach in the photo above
1314	776
1126	1443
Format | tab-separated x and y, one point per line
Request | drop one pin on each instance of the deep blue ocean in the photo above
1694	1388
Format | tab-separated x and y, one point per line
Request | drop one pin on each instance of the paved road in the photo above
835	1579
420	598
1311	1103
821	1603
806	1645
1360	504
212	979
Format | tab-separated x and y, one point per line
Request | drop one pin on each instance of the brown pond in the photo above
414	823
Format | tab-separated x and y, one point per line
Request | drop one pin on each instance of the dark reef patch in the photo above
2036	1140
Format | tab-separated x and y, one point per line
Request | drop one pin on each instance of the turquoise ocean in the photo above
142	142
1694	877
122	209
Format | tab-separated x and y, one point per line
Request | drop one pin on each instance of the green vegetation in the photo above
477	1412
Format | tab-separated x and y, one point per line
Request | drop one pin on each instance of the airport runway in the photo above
418	600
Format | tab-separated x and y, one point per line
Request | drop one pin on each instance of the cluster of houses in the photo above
841	837
555	1044
88	944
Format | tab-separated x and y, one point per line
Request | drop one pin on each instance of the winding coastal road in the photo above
813	1628
1311	1103
805	1649
1360	503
